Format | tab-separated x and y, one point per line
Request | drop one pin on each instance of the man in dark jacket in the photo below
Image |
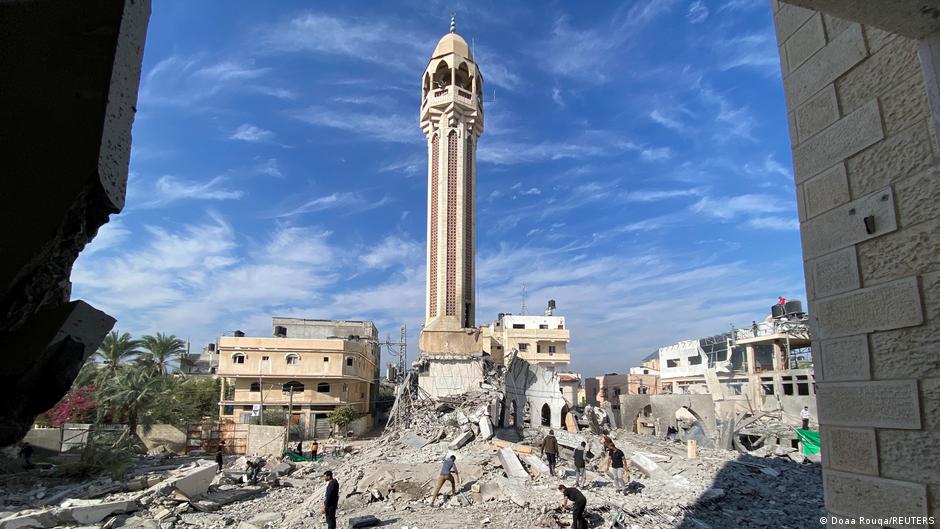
578	521
331	499
579	473
219	454
550	450
26	452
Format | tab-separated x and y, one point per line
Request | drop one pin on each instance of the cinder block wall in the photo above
864	146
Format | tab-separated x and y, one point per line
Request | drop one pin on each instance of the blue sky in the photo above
635	167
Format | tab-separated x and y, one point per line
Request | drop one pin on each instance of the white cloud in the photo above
231	70
661	117
168	189
774	223
349	202
652	154
269	167
697	12
392	128
190	81
109	236
251	133
655	195
726	208
394	250
556	97
371	40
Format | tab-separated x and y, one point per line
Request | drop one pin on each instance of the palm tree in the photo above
128	397
159	350
116	349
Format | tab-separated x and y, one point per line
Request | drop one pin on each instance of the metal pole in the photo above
290	411
261	394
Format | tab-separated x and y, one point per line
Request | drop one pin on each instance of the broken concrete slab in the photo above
461	440
511	464
193	482
536	466
514	490
413	440
571	424
647	466
283	468
569	440
28	520
91	513
486	428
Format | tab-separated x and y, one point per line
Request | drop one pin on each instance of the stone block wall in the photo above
163	435
265	440
865	163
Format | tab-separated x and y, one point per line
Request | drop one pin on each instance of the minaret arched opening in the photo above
464	80
425	86
442	76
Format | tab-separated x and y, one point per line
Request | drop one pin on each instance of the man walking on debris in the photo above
578	521
550	450
330	499
313	449
448	471
615	458
804	414
580	479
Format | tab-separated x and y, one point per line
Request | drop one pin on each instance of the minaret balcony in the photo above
449	94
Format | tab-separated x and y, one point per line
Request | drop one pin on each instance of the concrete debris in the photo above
511	465
364	521
646	466
461	440
486	428
536	467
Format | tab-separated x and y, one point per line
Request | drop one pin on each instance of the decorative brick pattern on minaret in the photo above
451	110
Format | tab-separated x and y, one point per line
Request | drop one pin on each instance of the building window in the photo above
228	409
265	358
344	388
551	349
349	361
326	358
296	386
523	347
695	360
616	392
323	387
672	362
518	326
255	387
543	326
238	358
293	360
538	348
246	407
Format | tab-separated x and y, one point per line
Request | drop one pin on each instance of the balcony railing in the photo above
448	93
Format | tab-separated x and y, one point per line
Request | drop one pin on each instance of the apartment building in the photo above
309	366
540	339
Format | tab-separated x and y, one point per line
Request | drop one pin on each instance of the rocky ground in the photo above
391	478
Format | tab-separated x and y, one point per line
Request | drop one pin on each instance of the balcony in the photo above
449	94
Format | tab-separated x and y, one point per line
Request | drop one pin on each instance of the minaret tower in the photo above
452	121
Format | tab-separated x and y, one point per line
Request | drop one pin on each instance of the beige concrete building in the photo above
863	102
313	365
540	340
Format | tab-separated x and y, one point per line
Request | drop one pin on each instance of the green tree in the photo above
341	417
187	400
128	397
117	349
159	350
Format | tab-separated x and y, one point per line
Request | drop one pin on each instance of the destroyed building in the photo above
539	339
309	366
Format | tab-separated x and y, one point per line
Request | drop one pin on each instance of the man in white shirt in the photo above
804	414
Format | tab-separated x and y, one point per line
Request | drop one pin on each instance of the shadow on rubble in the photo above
760	492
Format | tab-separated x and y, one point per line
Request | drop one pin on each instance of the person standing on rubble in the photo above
550	450
615	459
26	452
313	449
578	521
219	453
580	478
448	471
330	499
804	414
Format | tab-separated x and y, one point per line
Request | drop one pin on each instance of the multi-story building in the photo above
311	366
203	364
540	340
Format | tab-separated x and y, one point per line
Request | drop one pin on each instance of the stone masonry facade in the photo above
865	162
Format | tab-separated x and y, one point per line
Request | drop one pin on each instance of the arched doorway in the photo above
527	414
546	415
564	416
511	420
689	425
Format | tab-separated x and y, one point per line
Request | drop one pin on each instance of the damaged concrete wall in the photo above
442	375
527	383
665	407
265	440
70	77
163	435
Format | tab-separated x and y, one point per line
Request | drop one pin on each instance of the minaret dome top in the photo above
452	43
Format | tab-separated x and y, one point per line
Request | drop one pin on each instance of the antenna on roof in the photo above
524	288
